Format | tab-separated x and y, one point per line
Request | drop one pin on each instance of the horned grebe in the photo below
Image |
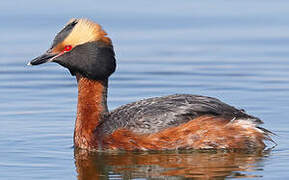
172	122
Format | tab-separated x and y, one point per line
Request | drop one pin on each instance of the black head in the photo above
82	47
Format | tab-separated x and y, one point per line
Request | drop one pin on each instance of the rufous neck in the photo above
91	110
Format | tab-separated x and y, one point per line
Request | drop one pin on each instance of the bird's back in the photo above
155	114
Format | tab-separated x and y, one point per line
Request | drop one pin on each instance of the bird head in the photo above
83	47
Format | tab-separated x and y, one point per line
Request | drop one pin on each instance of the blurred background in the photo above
236	51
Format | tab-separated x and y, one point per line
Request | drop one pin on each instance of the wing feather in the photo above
155	114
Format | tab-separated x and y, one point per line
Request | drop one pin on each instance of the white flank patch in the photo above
246	124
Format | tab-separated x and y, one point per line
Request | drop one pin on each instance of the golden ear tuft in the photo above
85	31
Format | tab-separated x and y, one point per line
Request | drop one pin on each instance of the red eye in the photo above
67	48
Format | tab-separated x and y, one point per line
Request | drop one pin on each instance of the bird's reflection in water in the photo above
167	165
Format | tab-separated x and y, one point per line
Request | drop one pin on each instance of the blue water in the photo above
237	51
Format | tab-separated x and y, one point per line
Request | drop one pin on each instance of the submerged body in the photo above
162	123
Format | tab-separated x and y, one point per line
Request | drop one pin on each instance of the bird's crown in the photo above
77	32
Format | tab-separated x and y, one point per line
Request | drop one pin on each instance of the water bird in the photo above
173	122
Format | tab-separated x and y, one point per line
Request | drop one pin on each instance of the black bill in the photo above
42	59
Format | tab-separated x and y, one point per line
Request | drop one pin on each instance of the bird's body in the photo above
155	114
162	123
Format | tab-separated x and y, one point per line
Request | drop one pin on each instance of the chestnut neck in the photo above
91	111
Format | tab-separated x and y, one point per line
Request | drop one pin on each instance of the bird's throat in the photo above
91	111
